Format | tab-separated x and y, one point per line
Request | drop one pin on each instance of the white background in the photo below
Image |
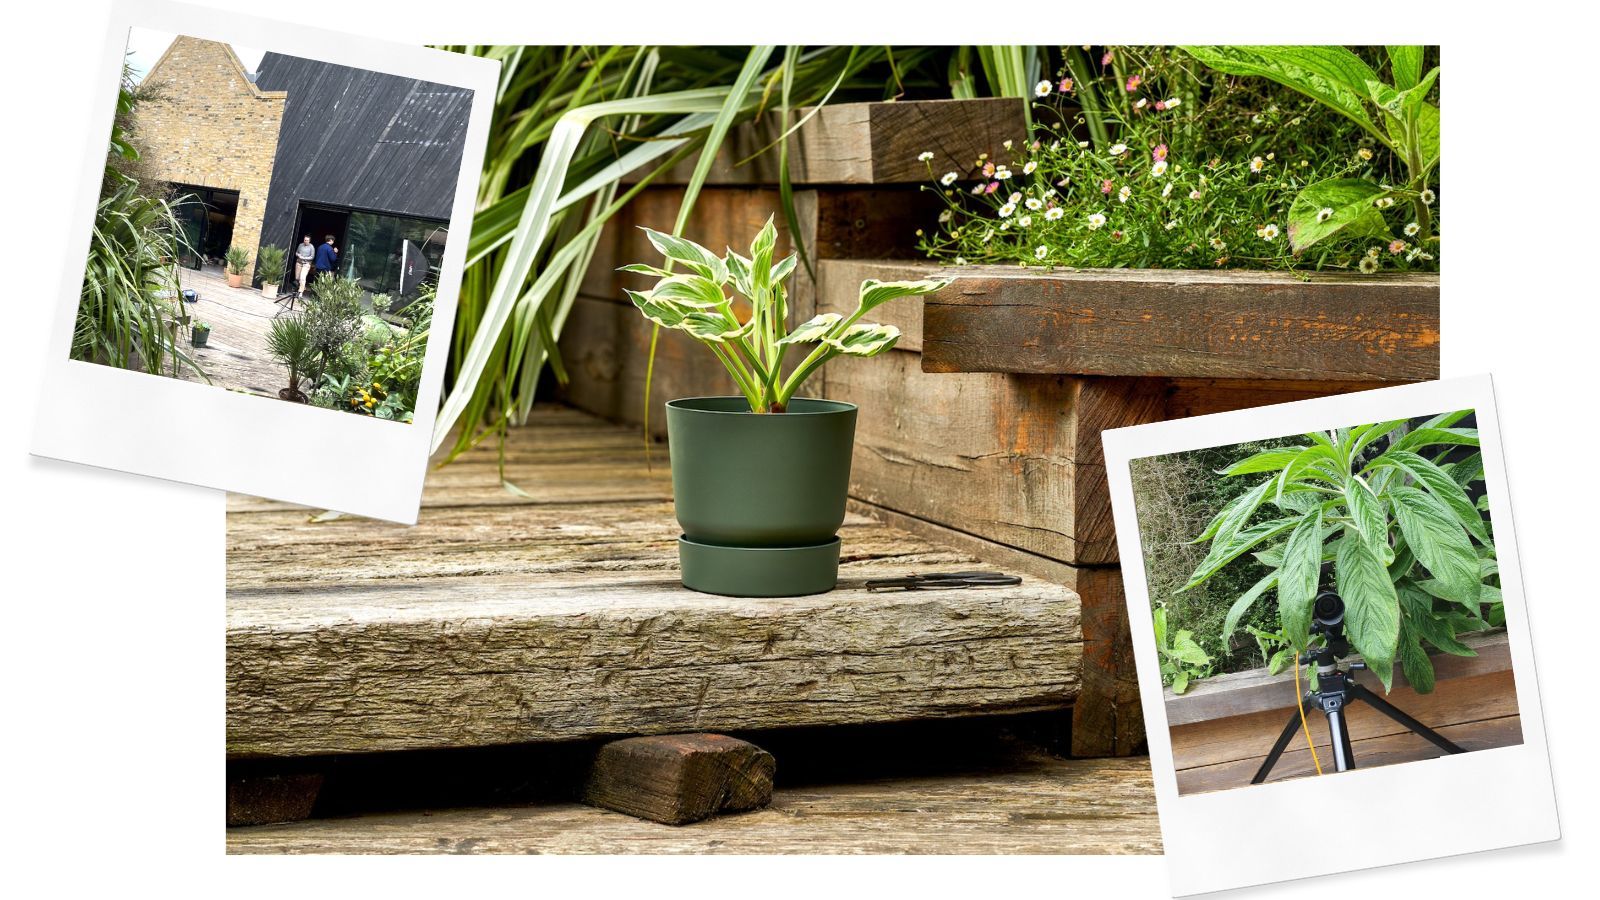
113	658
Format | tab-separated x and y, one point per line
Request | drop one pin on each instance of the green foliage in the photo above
1182	660
270	260
1397	115
237	259
290	344
332	319
753	349
1182	168
1412	555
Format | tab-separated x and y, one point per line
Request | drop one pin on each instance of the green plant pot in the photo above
197	336
772	482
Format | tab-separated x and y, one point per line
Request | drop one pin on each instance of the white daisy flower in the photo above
1374	251
1218	244
1412	228
1324	214
1167	191
1002	174
1041	251
1083	145
1124	194
1005	226
1257	164
1034	203
1096	220
924	156
1368	265
1172	102
1025	222
988	236
961	260
1016	197
1029	167
1383	202
1268	232
1054	213
1427	197
945	216
1007	210
1172	224
1142	103
1041	89
1158	169
1118	149
1194	195
948	179
1006	144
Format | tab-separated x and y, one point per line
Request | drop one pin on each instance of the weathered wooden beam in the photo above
676	779
1242	693
1046	806
868	143
559	615
1185	324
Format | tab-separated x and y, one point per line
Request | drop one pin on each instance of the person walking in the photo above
303	256
327	257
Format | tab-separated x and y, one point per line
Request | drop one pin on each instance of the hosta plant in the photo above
749	332
1387	508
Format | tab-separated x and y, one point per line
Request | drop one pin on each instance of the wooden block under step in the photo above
271	799
677	779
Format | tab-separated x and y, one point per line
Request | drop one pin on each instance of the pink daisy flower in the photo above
1397	246
988	170
1161	105
993	186
1065	86
1159	153
1133	83
1106	60
1106	186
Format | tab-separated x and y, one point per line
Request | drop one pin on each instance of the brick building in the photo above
305	147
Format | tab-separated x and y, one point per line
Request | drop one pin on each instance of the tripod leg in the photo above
1395	713
1278	748
1344	758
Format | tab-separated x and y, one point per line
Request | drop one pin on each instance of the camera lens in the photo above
1329	608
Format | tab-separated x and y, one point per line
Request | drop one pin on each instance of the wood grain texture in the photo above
869	143
1202	396
1242	693
676	779
1190	324
501	620
1050	806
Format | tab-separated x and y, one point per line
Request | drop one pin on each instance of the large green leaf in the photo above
1298	578
1439	542
1431	437
1320	463
813	329
682	250
1186	650
1234	514
1265	461
1331	75
1245	601
1372	609
1364	436
1332	206
1405	64
864	339
1223	551
1441	485
1414	661
1417	607
1367	512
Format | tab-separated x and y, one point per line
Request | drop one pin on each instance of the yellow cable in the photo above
1300	704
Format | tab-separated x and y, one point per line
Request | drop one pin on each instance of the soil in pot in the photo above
292	395
760	496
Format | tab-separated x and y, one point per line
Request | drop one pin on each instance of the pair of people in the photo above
324	257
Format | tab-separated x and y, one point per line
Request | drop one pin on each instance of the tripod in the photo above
1337	689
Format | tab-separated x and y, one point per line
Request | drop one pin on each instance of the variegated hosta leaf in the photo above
645	269
697	258
783	269
667	315
761	254
865	340
812	330
710	327
876	293
690	290
739	271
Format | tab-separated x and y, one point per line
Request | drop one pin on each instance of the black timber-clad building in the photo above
367	157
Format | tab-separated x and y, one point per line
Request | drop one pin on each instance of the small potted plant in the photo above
269	268
198	332
290	343
759	479
236	261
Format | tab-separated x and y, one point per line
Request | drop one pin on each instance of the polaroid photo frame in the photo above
109	417
1260	833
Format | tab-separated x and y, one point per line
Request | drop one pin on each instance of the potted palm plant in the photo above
759	479
290	343
236	261
198	332
269	268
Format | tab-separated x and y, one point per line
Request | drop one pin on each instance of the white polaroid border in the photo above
206	435
1368	817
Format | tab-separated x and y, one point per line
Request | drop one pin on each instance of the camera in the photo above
1328	609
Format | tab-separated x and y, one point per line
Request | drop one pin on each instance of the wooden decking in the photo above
1045	806
556	613
235	356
